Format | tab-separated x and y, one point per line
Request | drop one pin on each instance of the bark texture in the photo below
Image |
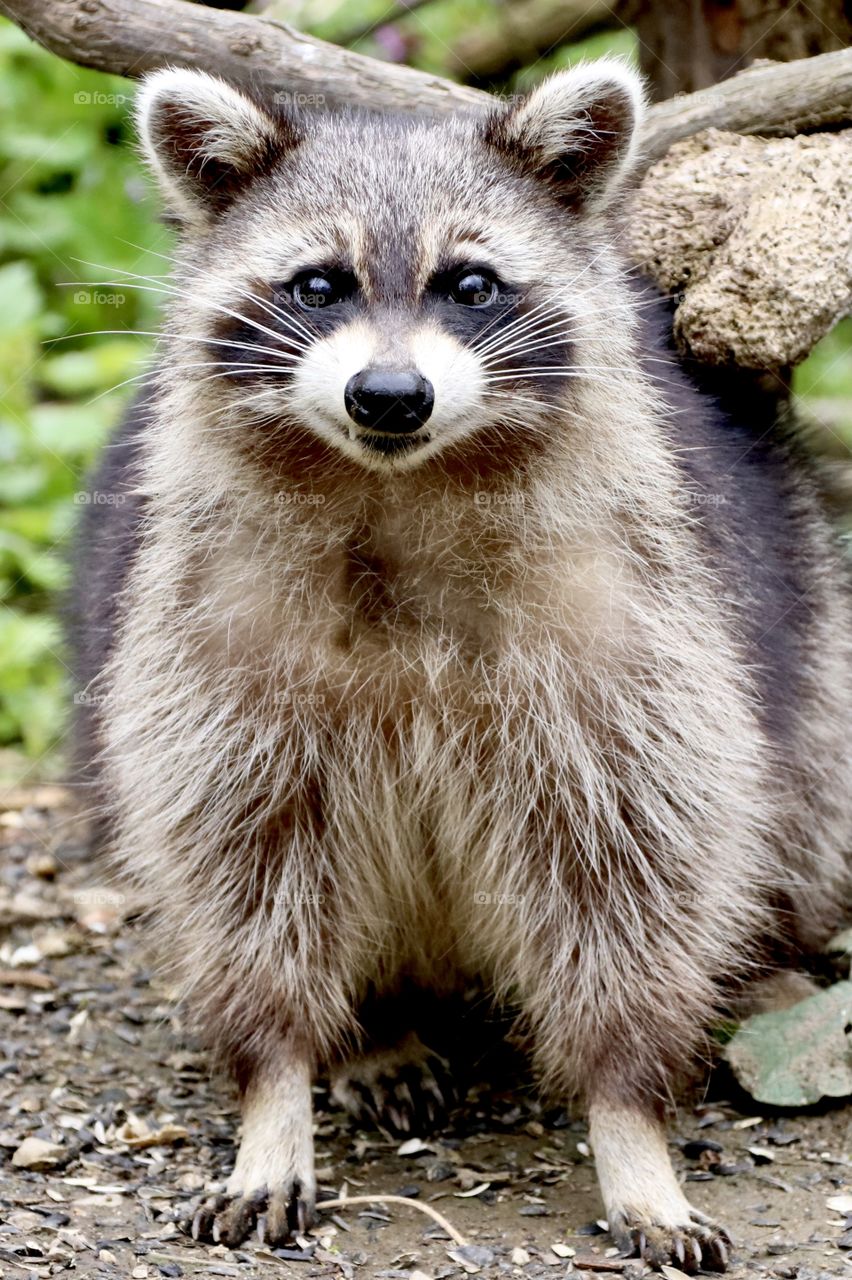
696	43
755	235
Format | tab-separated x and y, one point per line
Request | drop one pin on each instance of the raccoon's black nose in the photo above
392	400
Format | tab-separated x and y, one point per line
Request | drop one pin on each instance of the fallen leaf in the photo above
795	1057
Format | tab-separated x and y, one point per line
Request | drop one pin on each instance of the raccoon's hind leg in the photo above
272	1185
404	1088
645	1206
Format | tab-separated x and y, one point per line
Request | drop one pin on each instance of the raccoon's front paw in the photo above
697	1244
279	1213
273	1186
405	1089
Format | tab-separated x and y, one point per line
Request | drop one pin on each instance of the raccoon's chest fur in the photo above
423	740
450	716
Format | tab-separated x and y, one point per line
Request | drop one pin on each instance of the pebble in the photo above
476	1253
35	1153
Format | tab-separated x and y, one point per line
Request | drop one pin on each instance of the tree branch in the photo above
130	37
771	98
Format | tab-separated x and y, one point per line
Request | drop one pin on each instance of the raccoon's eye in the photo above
474	289
316	289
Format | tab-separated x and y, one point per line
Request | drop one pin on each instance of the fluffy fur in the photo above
554	698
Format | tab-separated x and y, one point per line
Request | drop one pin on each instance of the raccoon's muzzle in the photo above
392	401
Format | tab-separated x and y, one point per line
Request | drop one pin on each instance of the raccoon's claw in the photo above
201	1224
404	1090
278	1215
290	1211
697	1245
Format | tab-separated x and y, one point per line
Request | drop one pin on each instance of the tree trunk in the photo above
527	30
697	43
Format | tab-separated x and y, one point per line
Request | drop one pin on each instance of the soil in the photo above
95	1064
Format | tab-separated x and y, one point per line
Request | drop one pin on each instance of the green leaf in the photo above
797	1056
97	368
20	297
73	430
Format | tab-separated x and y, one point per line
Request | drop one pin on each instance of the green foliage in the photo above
71	193
827	375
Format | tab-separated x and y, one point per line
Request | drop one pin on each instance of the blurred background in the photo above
76	210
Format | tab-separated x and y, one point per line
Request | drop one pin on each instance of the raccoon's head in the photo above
391	287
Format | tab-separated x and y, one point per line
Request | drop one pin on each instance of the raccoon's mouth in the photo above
392	445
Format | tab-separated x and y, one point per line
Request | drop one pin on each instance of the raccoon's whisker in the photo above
539	404
551	371
229	365
516	327
139	377
175	291
221	410
277	312
562	329
199	339
291	322
229	342
522	348
170	291
531	316
552	298
530	340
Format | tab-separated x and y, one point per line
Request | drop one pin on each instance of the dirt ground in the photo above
131	1131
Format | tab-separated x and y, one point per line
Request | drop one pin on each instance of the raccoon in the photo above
450	633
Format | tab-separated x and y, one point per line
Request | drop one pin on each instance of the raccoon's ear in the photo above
576	130
205	140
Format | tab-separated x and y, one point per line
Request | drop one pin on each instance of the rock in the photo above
755	234
25	956
35	1153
